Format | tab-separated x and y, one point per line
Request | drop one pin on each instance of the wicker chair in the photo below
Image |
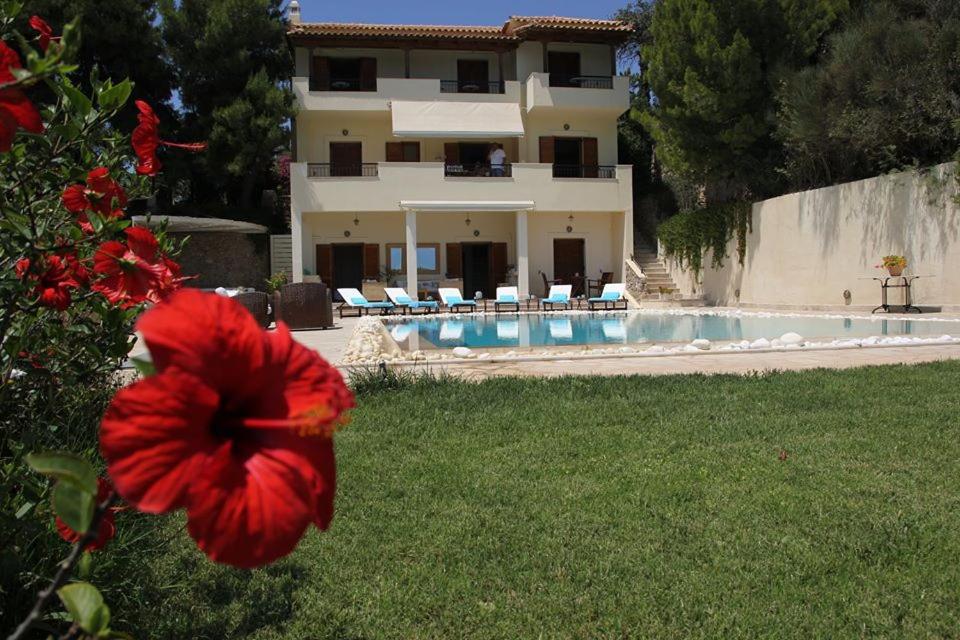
256	303
303	305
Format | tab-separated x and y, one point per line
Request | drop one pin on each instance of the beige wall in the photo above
807	248
581	124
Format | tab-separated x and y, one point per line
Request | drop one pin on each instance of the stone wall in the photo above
223	259
808	249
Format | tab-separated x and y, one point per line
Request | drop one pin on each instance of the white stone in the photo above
701	344
760	343
462	352
791	338
776	343
656	349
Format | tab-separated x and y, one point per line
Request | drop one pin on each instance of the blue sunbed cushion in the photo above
454	299
358	301
425	303
379	305
404	299
507	297
557	298
611	296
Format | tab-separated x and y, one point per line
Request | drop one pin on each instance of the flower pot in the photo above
895	270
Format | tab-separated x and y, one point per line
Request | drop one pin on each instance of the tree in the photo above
232	62
885	95
713	66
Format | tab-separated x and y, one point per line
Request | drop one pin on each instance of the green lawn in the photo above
631	507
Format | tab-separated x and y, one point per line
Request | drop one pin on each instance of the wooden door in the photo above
569	260
325	264
320	74
591	158
564	68
498	263
547	144
368	74
403	152
346	158
473	76
454	260
371	261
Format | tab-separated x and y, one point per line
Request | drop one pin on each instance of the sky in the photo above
473	12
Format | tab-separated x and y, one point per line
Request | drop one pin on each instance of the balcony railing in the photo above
470	86
341	170
344	84
581	82
476	170
584	171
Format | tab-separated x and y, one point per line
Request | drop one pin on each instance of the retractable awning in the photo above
456	119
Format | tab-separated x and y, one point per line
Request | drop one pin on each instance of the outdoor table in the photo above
903	282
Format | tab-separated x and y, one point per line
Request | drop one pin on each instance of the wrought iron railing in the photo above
584	171
581	82
477	170
341	169
344	84
470	86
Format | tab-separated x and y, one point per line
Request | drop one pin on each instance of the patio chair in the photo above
548	283
611	297
353	299
559	296
399	297
606	278
303	305
453	300
257	303
507	297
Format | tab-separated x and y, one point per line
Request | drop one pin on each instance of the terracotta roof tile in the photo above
399	31
553	22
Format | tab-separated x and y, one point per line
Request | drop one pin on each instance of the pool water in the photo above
540	330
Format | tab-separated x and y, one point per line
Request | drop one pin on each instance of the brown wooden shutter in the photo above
454	254
320	74
394	152
451	152
498	262
546	149
371	261
368	74
325	264
590	158
415	155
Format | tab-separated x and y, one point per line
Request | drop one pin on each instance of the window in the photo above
428	258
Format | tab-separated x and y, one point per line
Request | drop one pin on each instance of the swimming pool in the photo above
542	330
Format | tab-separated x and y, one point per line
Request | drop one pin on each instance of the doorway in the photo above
473	76
347	267
564	67
569	262
567	153
346	158
476	269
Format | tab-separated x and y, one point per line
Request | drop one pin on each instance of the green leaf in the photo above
86	607
144	365
65	466
80	103
114	97
74	506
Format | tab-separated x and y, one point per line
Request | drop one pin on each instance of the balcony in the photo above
477	170
393	182
584	171
597	94
356	97
342	170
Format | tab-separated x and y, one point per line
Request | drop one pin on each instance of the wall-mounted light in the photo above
569	229
345	132
476	233
468	221
847	296
356	221
346	234
570	218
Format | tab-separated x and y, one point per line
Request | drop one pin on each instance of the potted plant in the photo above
893	264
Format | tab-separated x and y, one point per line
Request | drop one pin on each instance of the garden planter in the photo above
895	271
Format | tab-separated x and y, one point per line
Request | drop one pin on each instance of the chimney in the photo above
294	12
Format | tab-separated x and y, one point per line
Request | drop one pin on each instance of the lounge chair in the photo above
453	300
353	299
559	296
507	297
399	297
257	303
611	297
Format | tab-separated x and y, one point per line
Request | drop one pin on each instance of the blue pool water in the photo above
538	330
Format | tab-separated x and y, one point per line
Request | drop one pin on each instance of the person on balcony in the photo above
497	159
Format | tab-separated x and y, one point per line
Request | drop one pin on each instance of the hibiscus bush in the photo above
230	423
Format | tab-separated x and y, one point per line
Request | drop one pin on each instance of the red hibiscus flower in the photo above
44	32
235	427
146	140
16	111
101	194
105	531
134	272
55	276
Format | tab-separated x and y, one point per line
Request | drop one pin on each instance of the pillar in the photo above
523	256
411	231
296	241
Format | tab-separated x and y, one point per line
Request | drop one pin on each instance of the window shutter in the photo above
454	269
498	262
411	151
590	158
325	264
546	149
451	152
368	74
394	152
320	74
371	261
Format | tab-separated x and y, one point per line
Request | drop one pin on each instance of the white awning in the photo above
456	119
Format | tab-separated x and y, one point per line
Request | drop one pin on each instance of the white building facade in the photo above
392	179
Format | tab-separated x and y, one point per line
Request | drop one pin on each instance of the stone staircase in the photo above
659	289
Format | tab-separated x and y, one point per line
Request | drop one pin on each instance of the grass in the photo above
609	508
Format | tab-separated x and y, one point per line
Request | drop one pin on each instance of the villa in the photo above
391	174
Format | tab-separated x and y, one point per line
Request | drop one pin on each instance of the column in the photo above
296	241
523	255
411	229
